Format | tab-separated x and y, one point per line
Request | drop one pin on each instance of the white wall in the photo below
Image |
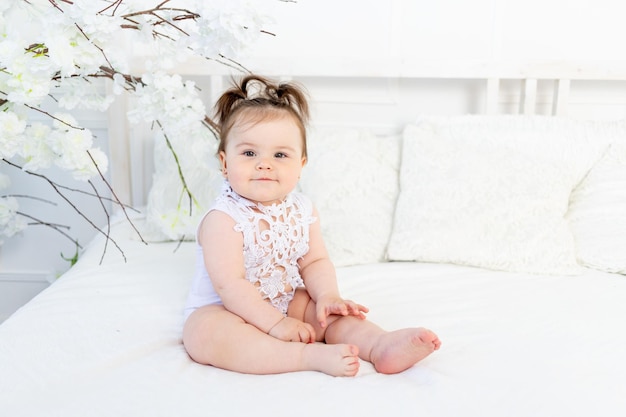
322	31
444	29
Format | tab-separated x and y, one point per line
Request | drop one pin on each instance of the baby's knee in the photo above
203	327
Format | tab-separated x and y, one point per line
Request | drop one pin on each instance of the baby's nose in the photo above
264	164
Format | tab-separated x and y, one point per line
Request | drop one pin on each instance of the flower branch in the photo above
57	188
57	49
56	227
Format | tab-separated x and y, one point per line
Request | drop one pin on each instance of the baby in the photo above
264	298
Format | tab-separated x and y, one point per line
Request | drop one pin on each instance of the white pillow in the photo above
598	213
171	215
492	191
352	178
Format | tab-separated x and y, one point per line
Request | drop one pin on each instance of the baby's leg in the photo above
400	349
215	336
389	352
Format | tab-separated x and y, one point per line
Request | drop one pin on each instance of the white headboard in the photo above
385	95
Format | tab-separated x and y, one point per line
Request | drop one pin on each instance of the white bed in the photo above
105	340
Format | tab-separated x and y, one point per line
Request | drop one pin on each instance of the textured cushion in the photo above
598	213
352	178
493	191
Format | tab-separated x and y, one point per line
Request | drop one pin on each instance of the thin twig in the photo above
53	117
180	242
97	47
116	199
186	189
228	62
106	213
57	189
57	227
75	190
115	5
43	200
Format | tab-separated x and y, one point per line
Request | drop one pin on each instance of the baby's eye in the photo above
280	155
248	153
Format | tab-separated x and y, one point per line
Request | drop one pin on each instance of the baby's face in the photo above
263	160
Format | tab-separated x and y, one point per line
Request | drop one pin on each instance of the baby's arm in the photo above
320	280
222	248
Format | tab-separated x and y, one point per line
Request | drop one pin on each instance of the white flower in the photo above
226	26
28	88
11	129
83	167
10	222
167	98
36	151
96	25
72	53
72	146
119	84
79	92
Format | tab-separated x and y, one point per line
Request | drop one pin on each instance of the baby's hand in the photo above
335	305
293	330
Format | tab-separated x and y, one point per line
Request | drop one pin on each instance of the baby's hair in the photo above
258	98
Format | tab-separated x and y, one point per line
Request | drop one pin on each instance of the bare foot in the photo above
399	350
335	360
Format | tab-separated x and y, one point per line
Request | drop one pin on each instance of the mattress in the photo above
105	340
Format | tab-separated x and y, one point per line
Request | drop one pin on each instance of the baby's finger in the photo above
363	308
352	307
323	311
309	337
321	319
357	309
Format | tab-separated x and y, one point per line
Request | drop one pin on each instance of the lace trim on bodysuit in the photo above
274	239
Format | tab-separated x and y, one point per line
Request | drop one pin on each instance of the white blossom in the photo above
11	130
119	83
36	150
10	221
169	99
71	53
80	93
73	146
58	49
27	87
226	27
99	27
83	167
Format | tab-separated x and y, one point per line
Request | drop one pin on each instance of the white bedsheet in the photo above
106	341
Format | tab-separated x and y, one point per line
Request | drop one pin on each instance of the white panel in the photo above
578	29
561	97
529	96
328	28
119	157
216	88
447	29
492	96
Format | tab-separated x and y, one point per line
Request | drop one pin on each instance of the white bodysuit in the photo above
274	239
